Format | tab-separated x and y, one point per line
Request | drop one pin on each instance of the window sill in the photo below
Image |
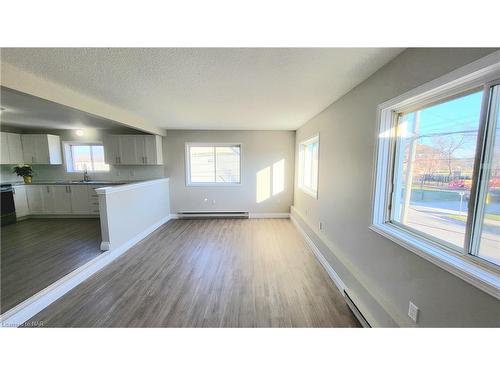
474	273
312	193
214	185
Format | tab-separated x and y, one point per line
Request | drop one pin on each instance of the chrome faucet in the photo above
86	177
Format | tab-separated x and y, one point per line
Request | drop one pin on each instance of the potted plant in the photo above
25	171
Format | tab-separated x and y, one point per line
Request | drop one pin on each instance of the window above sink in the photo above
84	155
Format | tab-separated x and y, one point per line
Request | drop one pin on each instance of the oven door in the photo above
8	207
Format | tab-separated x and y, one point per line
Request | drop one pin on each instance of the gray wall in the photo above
260	149
58	172
382	275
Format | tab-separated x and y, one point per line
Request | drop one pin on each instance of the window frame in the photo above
68	155
187	164
482	73
313	193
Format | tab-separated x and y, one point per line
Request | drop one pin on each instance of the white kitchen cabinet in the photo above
149	149
93	200
111	145
58	200
11	148
41	149
48	199
128	150
21	201
15	148
34	196
5	149
80	200
133	150
62	199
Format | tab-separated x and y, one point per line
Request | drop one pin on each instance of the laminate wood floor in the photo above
37	252
208	273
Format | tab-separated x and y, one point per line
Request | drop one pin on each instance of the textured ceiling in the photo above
214	88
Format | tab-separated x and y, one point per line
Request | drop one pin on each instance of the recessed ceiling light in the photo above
79	132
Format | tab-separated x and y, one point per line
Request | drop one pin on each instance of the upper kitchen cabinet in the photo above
149	149
41	148
133	150
12	152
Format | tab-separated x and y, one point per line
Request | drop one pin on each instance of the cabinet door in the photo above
111	146
42	155
34	196
48	199
140	149
15	148
5	149
151	149
53	152
128	153
21	201
28	142
80	199
62	199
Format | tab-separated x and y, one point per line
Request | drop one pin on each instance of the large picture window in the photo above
437	186
213	164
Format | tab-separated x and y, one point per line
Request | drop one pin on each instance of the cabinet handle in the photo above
48	189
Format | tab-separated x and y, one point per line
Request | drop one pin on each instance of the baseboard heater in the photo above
212	214
356	311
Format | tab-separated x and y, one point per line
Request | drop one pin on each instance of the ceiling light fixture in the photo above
79	132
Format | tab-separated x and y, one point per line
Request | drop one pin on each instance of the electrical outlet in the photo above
213	201
413	311
132	173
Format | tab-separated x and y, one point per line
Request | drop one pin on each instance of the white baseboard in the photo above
278	215
36	303
285	215
328	268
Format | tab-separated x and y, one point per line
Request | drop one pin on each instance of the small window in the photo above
213	164
81	156
308	166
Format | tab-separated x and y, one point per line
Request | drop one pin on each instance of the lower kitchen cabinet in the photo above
80	200
21	201
61	200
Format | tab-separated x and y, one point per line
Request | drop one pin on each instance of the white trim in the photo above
465	78
277	215
313	193
481	277
328	268
187	164
133	185
36	303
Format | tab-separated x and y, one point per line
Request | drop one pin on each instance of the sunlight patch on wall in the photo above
278	176
263	184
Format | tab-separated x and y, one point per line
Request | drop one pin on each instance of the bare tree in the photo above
447	146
